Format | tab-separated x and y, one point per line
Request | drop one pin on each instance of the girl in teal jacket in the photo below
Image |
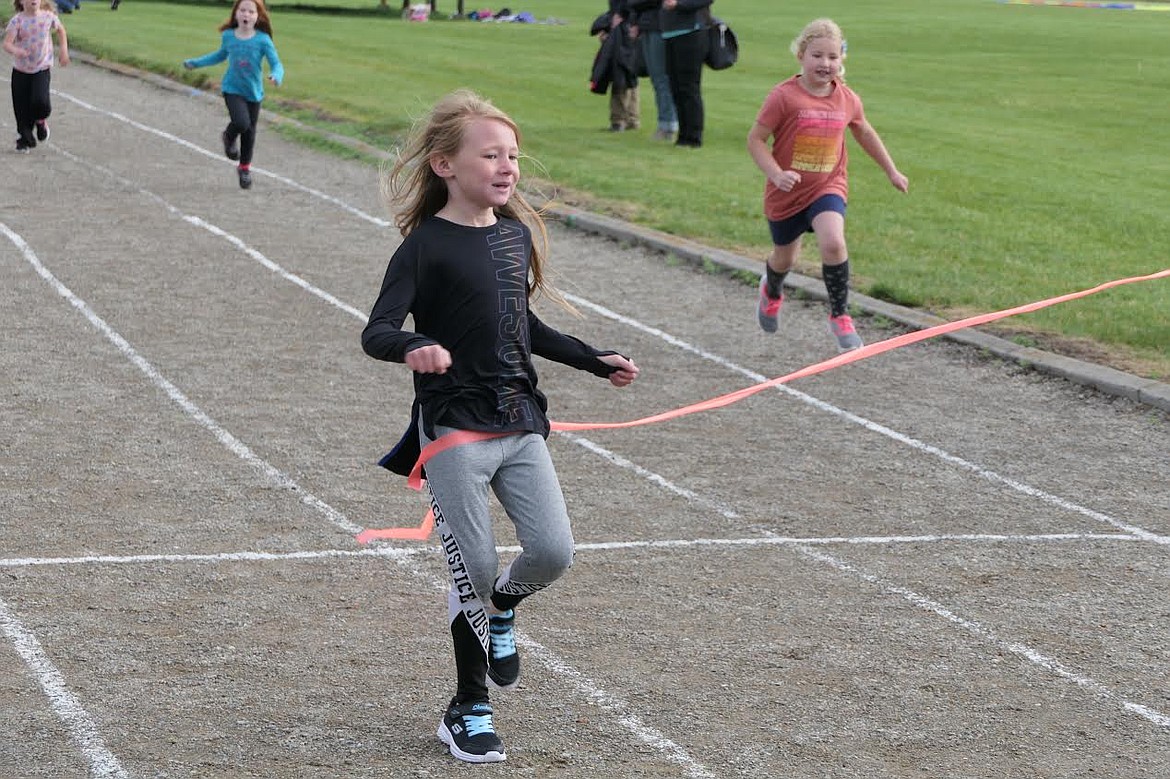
246	40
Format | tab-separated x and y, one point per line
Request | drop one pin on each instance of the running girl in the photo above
807	178
246	40
28	37
465	272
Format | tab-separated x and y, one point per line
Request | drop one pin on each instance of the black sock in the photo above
775	281
470	662
503	601
837	286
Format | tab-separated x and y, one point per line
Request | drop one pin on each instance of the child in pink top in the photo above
28	38
806	168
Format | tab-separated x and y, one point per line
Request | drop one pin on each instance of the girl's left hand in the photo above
626	370
900	182
63	59
274	81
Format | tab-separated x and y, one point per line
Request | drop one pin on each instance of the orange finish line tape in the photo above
420	533
461	437
415	482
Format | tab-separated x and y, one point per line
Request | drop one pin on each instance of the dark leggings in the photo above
684	65
243	114
30	100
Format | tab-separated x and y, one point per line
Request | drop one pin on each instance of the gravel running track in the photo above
930	563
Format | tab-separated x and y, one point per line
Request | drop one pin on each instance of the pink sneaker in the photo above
842	328
768	311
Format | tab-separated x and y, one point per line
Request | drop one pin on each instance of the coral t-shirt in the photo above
34	36
808	136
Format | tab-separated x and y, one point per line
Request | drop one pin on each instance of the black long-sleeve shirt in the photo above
467	289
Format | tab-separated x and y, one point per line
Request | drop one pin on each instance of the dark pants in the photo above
243	115
30	100
684	66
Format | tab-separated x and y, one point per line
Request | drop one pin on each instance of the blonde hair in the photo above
819	28
414	192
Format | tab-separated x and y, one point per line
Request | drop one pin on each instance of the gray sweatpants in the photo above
519	470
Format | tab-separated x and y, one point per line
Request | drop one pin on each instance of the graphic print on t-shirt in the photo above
33	34
510	264
461	596
817	142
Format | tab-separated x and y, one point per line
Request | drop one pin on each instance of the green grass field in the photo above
1034	137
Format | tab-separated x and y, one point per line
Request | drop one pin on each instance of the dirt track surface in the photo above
925	564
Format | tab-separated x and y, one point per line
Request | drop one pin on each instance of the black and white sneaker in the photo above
245	178
468	731
42	130
503	659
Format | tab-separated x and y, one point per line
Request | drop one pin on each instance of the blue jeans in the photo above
654	52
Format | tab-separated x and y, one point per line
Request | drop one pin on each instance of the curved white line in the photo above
233	444
102	762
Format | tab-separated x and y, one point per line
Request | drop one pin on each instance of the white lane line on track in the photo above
214	230
1034	656
692	497
216	557
233	444
76	718
829	408
615	705
774	540
220	158
272	266
102	762
678	543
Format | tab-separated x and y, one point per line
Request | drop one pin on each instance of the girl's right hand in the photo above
187	64
786	180
428	359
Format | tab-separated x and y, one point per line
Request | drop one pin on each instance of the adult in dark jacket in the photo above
615	67
684	25
613	63
648	30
